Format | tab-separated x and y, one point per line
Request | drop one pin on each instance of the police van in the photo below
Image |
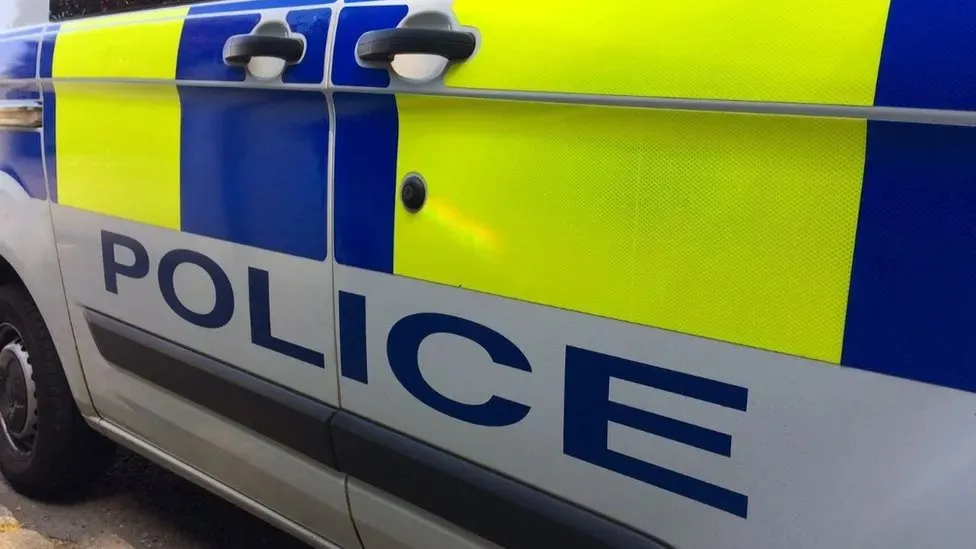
466	274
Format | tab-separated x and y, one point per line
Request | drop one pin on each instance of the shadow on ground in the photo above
148	507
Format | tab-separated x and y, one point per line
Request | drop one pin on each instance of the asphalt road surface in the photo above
147	507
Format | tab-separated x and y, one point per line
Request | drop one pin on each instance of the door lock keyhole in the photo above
413	193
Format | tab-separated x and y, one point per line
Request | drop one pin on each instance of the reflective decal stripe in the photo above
805	51
20	158
46	67
137	127
135	133
735	227
139	44
244	165
18	58
20	91
365	180
202	45
728	226
252	5
21	113
913	289
254	167
904	53
313	24
928	55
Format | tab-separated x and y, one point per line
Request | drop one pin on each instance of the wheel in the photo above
46	448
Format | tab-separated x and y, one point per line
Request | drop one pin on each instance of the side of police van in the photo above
458	273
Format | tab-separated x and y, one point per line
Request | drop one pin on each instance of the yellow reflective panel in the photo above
141	44
730	226
805	51
118	150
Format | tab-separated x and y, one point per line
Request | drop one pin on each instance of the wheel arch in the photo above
28	257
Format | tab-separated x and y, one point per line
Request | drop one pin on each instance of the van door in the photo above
187	157
616	252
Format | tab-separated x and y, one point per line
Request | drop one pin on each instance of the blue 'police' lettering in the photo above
352	336
223	308
111	267
259	296
402	348
588	410
259	292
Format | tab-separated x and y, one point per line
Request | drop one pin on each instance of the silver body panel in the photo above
821	452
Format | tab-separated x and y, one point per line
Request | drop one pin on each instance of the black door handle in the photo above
240	49
382	45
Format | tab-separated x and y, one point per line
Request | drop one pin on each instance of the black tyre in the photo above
47	451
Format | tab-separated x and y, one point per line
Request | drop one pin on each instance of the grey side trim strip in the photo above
20	115
499	509
293	420
493	506
887	114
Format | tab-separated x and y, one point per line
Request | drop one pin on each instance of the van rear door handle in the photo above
240	49
382	45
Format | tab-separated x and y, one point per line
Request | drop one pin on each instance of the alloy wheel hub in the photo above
18	403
